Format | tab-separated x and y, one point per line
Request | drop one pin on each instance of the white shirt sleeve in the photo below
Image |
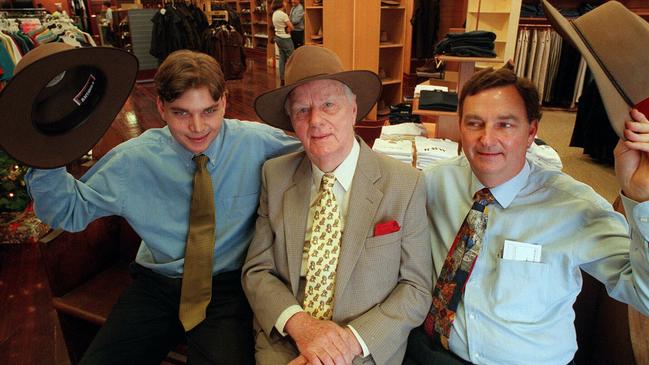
366	351
285	316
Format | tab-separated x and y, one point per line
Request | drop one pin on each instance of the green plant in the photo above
13	192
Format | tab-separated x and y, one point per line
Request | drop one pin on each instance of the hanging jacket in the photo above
225	44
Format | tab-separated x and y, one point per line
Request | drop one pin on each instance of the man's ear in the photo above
534	128
160	106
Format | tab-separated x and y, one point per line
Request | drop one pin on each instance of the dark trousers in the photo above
144	326
422	351
298	38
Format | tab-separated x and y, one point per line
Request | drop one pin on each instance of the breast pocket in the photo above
241	207
386	239
521	290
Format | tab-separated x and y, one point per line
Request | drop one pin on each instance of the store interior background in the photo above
29	329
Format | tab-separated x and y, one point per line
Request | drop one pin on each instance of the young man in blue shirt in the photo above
148	181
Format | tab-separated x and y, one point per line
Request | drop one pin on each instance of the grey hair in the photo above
351	97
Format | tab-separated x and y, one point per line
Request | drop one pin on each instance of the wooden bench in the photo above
88	270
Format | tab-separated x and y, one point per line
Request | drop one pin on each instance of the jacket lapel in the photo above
296	211
364	201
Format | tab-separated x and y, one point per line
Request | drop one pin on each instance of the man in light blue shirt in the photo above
148	181
517	310
297	19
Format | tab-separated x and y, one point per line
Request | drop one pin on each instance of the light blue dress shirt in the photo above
516	312
297	17
148	181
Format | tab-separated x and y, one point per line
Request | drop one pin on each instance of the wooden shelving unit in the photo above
244	11
500	17
392	34
313	22
255	19
260	19
353	30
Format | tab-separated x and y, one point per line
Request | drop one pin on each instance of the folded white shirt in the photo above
404	129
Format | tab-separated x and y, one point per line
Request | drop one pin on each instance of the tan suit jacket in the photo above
383	283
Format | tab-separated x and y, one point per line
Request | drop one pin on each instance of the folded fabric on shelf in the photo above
398	149
438	100
477	43
431	150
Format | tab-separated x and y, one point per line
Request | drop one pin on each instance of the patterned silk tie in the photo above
196	290
457	268
324	249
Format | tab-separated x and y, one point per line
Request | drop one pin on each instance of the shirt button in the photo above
644	219
472	316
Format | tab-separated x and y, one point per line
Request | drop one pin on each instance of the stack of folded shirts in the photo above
477	43
431	150
403	129
398	149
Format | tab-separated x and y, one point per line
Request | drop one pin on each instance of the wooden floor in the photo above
29	330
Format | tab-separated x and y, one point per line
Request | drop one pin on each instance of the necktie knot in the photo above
484	197
200	161
328	181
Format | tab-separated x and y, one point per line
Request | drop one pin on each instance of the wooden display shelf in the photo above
469	59
390	80
430	113
390	45
489	12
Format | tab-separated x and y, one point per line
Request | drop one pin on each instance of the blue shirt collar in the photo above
507	191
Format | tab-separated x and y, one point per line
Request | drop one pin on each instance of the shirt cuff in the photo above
366	351
285	316
637	215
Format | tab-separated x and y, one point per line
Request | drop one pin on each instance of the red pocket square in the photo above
386	227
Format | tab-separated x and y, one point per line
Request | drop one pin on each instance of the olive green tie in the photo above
196	290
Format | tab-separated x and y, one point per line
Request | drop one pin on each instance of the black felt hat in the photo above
62	100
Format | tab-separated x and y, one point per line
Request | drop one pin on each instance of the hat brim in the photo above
617	108
366	85
26	143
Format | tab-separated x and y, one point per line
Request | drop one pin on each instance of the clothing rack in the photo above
23	13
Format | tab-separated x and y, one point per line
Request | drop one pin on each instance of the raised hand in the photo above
632	158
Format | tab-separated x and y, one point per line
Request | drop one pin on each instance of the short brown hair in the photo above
490	78
184	70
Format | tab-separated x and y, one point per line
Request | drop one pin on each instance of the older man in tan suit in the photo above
338	271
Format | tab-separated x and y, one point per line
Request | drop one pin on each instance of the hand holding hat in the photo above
62	100
632	158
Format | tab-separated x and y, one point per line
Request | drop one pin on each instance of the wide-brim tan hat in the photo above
310	63
615	44
62	100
